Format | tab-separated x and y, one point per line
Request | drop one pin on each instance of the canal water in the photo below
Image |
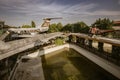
70	65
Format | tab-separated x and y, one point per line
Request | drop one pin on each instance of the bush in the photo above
1	32
59	41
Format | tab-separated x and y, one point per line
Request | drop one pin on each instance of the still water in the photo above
70	65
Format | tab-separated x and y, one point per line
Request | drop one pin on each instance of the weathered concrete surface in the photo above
30	70
3	36
10	48
23	44
99	39
4	46
106	65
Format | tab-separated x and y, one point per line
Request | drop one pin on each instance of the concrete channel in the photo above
106	65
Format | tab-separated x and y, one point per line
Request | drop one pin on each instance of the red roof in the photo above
116	22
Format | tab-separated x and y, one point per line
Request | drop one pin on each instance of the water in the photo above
70	65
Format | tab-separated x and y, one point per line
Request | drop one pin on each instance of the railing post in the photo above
70	38
100	46
74	38
116	52
82	41
78	40
90	43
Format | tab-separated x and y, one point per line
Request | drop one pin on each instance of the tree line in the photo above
82	27
33	25
78	27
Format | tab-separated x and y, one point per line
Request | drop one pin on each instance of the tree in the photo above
67	28
1	32
104	24
79	27
59	26
76	27
53	28
33	24
26	26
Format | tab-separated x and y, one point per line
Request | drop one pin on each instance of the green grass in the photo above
70	65
1	32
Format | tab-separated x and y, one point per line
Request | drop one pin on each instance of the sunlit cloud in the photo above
106	13
17	12
119	2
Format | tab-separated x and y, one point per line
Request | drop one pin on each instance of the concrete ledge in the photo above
32	69
106	65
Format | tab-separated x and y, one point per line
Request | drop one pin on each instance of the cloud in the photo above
71	10
119	2
106	12
41	7
23	6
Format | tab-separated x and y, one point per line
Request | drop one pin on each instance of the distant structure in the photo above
116	25
32	31
2	24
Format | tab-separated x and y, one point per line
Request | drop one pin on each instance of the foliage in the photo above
59	26
59	41
104	24
74	38
55	27
76	27
85	29
79	27
33	24
1	32
26	26
67	28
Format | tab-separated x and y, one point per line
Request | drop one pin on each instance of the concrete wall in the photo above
108	66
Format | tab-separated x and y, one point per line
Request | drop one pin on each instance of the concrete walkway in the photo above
108	66
33	65
30	70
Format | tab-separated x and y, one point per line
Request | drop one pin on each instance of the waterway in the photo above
70	65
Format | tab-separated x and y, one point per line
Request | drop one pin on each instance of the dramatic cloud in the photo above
19	12
119	2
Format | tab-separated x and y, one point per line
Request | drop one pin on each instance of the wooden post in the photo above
81	40
77	40
70	38
90	43
100	46
116	52
74	38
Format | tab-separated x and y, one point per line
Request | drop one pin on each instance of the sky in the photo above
21	12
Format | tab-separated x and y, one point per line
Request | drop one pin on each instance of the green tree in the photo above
67	28
26	26
76	27
79	27
53	28
59	26
1	32
33	24
104	24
